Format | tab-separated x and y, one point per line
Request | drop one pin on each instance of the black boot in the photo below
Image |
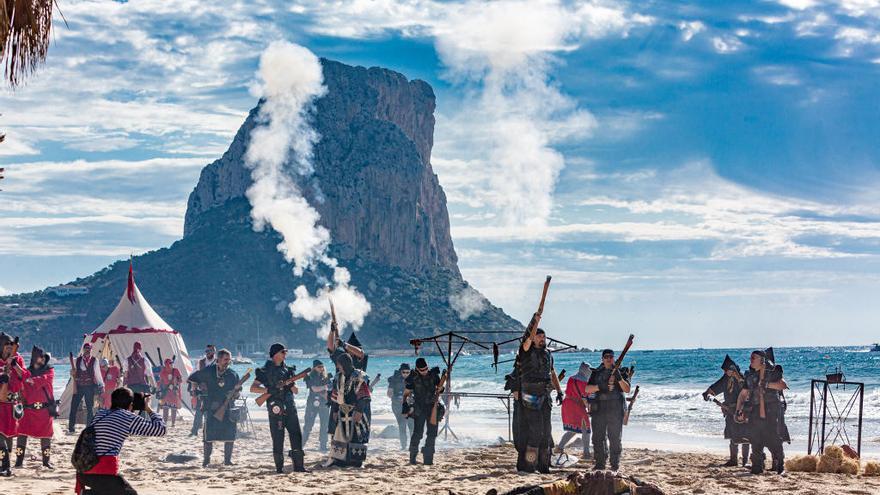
779	464
299	459
543	463
414	456
745	454
757	463
734	451
208	448
46	458
19	456
4	462
227	453
279	461
428	457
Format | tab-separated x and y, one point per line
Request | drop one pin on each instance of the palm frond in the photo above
25	26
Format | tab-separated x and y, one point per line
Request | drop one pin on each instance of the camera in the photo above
139	403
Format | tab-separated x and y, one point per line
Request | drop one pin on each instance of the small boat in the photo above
875	348
241	360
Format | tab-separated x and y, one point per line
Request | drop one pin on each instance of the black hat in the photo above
758	352
275	349
404	366
5	339
316	363
728	364
768	355
607	351
540	331
353	340
421	363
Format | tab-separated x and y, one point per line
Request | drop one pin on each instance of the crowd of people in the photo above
593	405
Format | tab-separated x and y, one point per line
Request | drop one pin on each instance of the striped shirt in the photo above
113	426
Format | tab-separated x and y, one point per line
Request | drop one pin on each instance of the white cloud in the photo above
798	4
689	29
726	44
4	291
695	204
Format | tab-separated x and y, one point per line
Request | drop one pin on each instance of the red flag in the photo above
131	296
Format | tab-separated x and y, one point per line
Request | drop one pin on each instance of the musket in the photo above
724	408
219	414
334	327
375	381
121	368
629	408
281	386
619	361
536	318
761	409
561	375
433	419
72	370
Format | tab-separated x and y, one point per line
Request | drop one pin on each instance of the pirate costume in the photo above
423	389
11	380
730	387
39	407
349	423
535	379
282	410
316	404
764	408
219	385
396	386
88	385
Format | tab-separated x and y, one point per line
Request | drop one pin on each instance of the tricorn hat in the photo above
729	364
5	339
353	340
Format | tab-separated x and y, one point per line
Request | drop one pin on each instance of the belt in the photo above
35	405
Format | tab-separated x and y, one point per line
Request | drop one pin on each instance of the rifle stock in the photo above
220	413
629	408
286	383
724	408
433	419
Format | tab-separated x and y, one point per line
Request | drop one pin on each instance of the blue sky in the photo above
698	174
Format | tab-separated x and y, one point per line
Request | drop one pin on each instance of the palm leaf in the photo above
25	26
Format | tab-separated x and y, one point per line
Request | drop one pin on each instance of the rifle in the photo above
334	327
433	419
281	386
619	361
536	318
375	381
219	414
724	408
629	408
72	370
561	376
121	368
761	410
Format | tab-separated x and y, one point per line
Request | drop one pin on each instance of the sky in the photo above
698	174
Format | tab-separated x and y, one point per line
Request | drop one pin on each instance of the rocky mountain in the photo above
377	194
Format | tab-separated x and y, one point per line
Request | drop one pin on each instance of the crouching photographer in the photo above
96	455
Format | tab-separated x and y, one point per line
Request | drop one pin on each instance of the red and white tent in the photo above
134	320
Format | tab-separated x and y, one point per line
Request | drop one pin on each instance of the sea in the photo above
669	413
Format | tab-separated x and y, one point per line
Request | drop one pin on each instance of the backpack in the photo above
85	456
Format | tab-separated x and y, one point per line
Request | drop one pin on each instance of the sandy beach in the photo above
473	470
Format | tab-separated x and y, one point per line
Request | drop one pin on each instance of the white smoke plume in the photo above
281	145
467	302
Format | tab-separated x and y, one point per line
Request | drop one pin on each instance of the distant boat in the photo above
241	360
875	348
